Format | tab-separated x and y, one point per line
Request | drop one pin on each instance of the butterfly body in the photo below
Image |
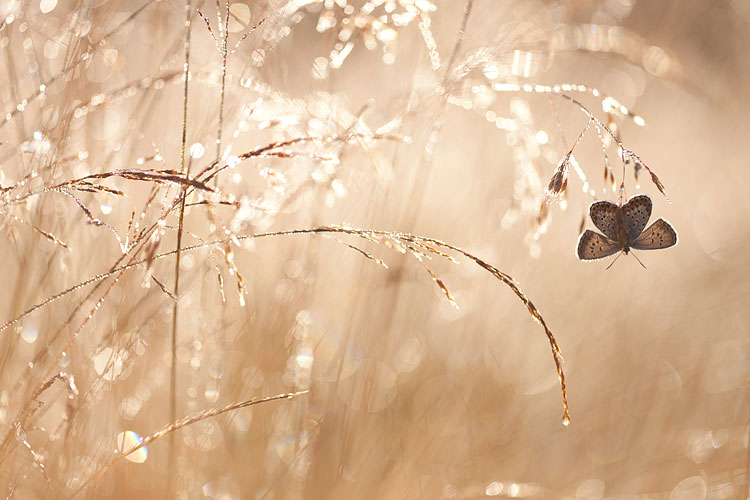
621	232
623	228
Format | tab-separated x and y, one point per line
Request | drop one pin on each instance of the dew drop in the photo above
47	6
320	68
211	393
491	71
108	363
305	359
241	13
493	489
29	334
197	150
129	439
64	360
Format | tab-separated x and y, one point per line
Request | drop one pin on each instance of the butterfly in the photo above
623	228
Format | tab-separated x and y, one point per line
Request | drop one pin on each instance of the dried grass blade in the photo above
434	250
93	220
441	285
366	254
418	254
247	33
160	176
94	188
210	31
47	235
52	238
657	183
220	279
558	184
241	289
164	288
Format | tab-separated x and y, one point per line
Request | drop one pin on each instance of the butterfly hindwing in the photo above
592	246
603	216
660	234
636	213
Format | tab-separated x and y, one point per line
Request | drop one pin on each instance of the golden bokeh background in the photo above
396	126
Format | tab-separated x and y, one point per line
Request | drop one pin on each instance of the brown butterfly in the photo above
623	228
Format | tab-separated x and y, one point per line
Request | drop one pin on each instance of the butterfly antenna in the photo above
613	262
639	260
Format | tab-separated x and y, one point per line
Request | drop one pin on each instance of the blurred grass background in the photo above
409	397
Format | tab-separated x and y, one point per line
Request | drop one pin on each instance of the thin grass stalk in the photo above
224	31
179	424
460	37
183	193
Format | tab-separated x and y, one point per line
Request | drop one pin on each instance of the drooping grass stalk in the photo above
559	91
421	244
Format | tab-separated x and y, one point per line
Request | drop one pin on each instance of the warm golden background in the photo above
408	397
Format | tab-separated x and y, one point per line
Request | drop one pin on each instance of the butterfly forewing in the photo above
592	246
660	234
603	216
636	213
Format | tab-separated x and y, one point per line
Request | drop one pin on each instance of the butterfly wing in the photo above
660	234
603	216
593	246
636	212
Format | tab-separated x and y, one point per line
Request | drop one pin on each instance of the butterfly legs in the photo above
613	262
639	260
631	253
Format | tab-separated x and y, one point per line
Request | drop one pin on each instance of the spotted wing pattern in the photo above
592	246
636	213
660	234
603	216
